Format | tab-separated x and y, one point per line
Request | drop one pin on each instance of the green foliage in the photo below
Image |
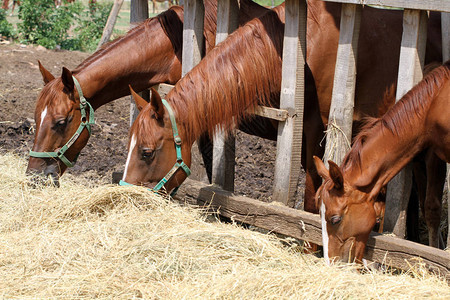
91	25
44	24
6	29
72	26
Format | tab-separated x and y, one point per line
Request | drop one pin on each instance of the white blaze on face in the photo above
324	234
43	114
132	145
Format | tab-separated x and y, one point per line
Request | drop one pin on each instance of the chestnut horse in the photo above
420	120
153	51
322	40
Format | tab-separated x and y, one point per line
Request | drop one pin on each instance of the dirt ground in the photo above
21	82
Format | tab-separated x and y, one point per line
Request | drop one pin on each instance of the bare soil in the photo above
21	82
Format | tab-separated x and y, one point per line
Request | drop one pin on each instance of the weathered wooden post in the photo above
138	13
446	56
290	131
107	31
194	13
339	129
224	145
412	56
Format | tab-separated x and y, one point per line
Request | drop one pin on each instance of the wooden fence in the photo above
283	219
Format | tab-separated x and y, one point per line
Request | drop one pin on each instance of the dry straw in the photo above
82	241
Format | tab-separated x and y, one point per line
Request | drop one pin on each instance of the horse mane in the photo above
400	117
234	77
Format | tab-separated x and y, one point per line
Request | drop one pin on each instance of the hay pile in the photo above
80	241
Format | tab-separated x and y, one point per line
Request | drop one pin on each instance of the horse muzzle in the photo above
43	173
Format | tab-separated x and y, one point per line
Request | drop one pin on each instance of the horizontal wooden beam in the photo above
437	5
272	113
302	225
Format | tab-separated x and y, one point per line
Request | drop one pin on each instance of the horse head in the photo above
155	156
60	134
348	214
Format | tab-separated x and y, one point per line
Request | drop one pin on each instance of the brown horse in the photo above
322	43
420	120
153	52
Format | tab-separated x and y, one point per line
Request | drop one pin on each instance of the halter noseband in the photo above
85	122
178	164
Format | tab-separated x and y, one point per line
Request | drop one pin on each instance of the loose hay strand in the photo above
86	240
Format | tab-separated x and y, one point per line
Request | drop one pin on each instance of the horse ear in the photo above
321	169
157	105
336	175
46	75
140	102
67	79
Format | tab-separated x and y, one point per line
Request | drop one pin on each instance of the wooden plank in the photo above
437	5
138	13
107	31
194	12
224	144
272	113
278	218
412	56
445	19
290	132
339	128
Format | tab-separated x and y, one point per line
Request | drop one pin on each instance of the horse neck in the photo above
231	80
142	58
379	153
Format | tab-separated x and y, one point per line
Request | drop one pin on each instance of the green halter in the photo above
178	164
85	122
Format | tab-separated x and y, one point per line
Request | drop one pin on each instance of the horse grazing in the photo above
153	51
220	91
419	121
322	41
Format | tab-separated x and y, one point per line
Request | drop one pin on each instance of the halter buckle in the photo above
177	140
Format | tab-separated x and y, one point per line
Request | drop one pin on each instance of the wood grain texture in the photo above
339	128
290	132
278	218
436	5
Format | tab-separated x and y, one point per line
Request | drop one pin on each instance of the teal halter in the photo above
85	123
178	164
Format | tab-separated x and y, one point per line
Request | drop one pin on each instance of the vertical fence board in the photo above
339	129
446	56
138	13
194	13
289	142
412	55
224	145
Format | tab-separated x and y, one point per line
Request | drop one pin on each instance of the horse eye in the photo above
335	220
378	220
148	154
59	124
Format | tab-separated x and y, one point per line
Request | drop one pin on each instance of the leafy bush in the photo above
71	26
90	28
44	24
6	29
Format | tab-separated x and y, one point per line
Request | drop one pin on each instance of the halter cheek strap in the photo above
178	164
85	123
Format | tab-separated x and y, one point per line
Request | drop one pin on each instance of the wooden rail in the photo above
436	5
278	218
